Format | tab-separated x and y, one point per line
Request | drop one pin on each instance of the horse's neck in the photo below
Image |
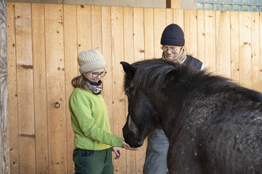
168	123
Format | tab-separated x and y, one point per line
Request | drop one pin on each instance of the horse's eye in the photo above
126	93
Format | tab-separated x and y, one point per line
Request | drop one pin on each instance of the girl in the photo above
93	139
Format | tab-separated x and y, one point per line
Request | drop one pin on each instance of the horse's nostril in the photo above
130	139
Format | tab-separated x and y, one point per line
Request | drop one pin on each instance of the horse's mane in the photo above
157	72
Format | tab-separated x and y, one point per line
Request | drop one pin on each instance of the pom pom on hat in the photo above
90	60
173	35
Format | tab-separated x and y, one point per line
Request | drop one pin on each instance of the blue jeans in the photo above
156	153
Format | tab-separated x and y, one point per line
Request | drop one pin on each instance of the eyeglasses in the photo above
172	49
97	74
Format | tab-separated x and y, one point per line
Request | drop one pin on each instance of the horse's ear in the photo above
129	69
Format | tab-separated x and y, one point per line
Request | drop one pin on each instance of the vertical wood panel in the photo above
201	36
169	16
106	47
71	71
129	157
260	51
190	32
223	43
96	16
12	89
139	48
55	88
25	88
118	95
255	59
149	53
4	117
41	124
149	30
245	48
179	17
174	3
84	32
234	45
159	26
139	51
108	79
210	47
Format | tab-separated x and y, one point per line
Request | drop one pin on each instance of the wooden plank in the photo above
169	16
159	26
223	43
149	33
25	87
38	36
234	46
55	88
108	79
149	54
4	129
108	82
179	17
107	51
84	32
190	32
139	51
245	48
128	156
118	94
201	36
173	4
12	89
255	58
96	13
210	42
260	51
71	71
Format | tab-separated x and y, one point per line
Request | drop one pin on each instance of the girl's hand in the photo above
117	151
127	146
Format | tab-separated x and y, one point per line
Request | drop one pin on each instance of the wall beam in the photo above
4	122
173	4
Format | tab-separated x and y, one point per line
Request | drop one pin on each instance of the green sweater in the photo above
90	123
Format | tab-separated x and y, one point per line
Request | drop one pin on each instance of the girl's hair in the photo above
79	82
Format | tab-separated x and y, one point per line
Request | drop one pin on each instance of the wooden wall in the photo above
43	41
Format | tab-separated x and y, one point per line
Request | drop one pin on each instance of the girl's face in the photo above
95	75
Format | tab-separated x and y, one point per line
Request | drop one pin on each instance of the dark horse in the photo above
214	126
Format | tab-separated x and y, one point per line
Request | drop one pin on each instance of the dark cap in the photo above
173	35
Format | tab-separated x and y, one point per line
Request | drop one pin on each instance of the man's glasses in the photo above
97	74
172	49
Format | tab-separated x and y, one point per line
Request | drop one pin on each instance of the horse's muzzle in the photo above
130	138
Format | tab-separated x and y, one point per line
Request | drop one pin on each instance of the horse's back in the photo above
222	134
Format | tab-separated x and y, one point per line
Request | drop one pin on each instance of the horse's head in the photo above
142	115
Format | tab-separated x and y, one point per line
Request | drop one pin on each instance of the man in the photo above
172	42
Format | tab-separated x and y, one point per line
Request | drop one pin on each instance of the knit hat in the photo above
90	60
173	35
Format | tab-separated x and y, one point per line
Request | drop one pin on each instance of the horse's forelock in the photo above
153	73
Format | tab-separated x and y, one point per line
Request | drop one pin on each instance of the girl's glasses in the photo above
97	74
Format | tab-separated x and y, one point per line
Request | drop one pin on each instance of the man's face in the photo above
171	51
